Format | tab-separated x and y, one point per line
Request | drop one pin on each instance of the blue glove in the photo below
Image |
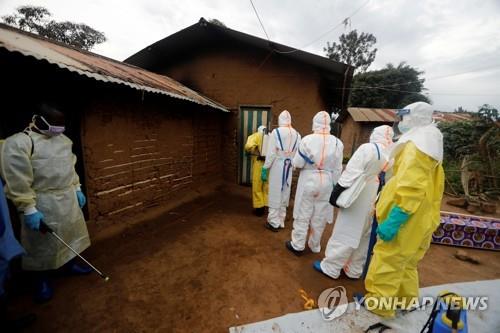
33	220
81	198
388	229
263	174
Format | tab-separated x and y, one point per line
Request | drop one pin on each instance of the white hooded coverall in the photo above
40	173
283	143
320	159
348	246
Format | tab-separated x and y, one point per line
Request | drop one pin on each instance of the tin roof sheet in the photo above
98	67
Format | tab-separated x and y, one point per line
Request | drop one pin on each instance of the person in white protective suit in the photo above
319	159
283	143
347	248
39	170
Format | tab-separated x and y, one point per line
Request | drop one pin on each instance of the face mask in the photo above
403	128
402	116
53	130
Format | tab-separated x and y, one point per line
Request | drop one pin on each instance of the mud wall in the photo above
350	136
235	75
143	151
354	134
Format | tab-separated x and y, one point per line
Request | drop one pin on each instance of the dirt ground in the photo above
205	267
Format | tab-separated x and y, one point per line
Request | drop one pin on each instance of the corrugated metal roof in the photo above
97	67
389	115
372	115
204	37
203	33
452	116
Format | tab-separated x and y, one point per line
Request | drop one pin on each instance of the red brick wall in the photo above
145	153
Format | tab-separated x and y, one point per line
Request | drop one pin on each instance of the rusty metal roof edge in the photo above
111	79
359	116
354	112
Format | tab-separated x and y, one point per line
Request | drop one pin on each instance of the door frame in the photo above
241	144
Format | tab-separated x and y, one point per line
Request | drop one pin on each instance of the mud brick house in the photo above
254	78
142	139
358	123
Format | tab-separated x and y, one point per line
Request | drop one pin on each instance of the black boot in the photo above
72	267
270	227
260	211
43	287
289	246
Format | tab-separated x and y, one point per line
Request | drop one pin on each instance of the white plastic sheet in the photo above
357	321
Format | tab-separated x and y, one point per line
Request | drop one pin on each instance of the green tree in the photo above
488	113
461	110
471	149
217	22
391	87
38	20
353	49
460	138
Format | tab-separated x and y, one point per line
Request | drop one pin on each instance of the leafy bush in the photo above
479	141
452	172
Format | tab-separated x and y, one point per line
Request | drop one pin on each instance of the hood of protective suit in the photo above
420	115
428	140
422	131
321	123
284	119
261	129
382	135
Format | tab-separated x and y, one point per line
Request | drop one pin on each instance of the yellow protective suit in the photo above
259	188
40	173
416	187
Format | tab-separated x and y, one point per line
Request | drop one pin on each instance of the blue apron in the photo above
9	246
287	165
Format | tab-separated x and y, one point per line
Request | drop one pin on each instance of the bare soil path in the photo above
204	267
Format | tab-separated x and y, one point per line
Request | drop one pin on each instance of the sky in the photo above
455	42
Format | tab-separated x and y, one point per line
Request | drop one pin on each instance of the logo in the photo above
332	303
413	303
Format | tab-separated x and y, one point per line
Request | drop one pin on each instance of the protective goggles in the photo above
399	118
401	113
52	130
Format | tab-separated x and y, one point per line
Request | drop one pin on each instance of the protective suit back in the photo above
253	147
283	143
348	245
320	159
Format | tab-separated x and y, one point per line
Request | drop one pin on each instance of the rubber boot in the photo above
43	288
74	268
289	246
260	211
270	227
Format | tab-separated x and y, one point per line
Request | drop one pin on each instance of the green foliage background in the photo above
462	139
